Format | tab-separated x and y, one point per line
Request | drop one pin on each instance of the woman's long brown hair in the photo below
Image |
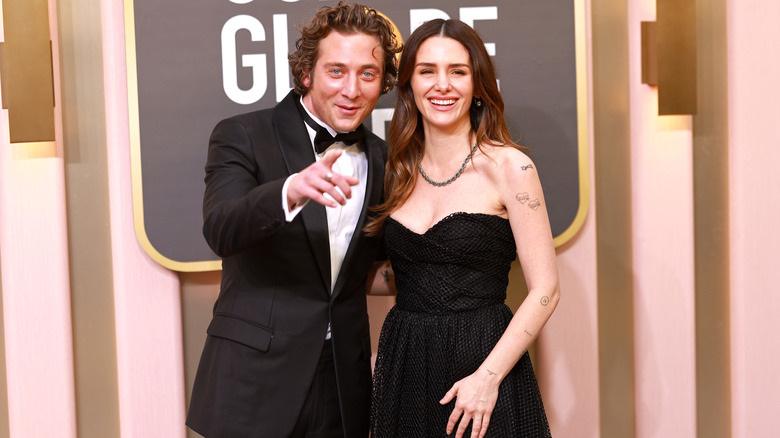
406	136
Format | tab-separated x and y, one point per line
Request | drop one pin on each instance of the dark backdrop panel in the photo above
180	95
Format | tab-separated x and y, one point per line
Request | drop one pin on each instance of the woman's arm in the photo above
381	280
520	192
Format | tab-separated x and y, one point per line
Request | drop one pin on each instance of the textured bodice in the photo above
460	264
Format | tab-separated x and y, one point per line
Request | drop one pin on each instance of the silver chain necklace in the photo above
462	168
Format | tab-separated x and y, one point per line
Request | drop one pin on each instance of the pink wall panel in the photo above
662	218
35	281
147	300
36	294
754	155
567	349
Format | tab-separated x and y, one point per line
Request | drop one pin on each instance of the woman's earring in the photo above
477	102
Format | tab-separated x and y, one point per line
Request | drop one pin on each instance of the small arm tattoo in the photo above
529	166
528	333
524	197
490	372
545	301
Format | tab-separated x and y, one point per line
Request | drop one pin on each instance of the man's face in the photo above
346	80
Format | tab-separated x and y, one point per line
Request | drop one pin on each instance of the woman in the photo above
462	201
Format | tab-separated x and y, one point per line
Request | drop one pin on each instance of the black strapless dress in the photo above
449	314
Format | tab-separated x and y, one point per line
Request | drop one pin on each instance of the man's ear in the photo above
306	78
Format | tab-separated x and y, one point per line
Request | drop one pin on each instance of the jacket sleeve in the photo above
240	208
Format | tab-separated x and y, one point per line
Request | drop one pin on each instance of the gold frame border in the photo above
580	43
135	158
581	69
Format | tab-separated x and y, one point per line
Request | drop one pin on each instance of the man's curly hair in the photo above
346	18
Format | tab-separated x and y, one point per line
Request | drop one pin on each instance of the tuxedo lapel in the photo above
298	154
374	184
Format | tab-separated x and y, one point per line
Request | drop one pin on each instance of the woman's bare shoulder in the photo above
507	162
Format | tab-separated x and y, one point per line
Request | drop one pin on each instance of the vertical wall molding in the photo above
613	208
84	137
711	225
88	218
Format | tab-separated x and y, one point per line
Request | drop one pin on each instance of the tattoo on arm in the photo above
524	197
528	333
545	300
490	372
529	166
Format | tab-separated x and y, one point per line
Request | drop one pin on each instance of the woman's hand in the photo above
476	397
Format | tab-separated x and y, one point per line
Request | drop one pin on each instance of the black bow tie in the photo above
323	139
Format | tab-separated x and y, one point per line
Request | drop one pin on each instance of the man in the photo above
288	349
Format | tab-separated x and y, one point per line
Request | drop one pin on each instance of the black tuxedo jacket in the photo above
271	317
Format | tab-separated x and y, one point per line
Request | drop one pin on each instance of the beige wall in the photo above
668	324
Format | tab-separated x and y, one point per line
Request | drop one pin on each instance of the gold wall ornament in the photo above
649	53
669	56
26	72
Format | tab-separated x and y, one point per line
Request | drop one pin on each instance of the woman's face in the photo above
443	85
